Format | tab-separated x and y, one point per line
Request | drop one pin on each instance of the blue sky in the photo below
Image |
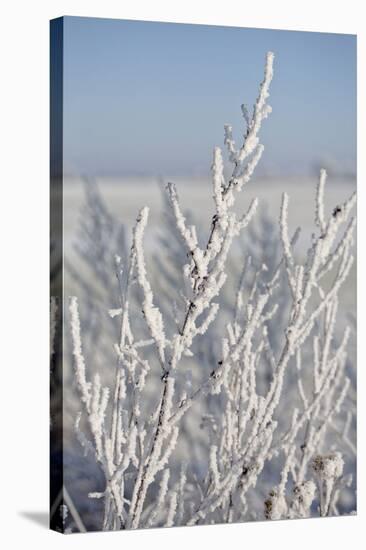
144	98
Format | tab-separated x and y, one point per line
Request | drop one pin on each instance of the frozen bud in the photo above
328	466
305	493
275	507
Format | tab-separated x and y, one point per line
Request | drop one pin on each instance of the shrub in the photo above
252	423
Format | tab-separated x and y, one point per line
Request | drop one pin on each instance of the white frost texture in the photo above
212	378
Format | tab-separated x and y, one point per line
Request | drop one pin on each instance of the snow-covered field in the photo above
126	196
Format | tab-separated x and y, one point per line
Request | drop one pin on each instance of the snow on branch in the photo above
83	385
151	312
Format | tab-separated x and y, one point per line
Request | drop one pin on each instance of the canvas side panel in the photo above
56	274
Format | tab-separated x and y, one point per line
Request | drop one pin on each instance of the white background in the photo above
24	270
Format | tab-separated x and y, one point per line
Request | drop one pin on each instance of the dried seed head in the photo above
328	466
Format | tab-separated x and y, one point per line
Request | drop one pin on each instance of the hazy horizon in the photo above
150	99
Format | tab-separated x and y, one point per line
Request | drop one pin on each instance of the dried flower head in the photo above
328	466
